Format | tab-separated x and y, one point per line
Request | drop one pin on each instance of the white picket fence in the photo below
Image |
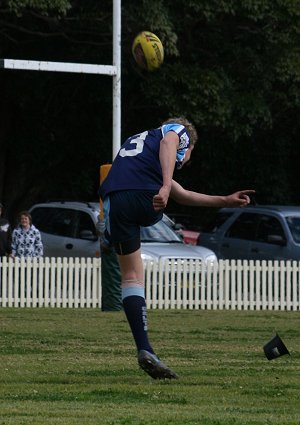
177	284
50	282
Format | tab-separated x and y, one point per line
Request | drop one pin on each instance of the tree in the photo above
237	77
231	67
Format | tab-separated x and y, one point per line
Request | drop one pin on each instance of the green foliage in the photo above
232	67
59	7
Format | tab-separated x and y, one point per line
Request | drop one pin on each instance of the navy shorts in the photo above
125	212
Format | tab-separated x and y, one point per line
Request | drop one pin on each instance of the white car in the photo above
161	241
71	229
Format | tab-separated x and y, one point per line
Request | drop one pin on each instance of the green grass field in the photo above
78	367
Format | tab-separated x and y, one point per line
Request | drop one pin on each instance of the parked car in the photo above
265	232
71	229
68	229
186	227
189	236
161	241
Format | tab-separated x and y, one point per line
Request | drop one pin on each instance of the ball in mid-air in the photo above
148	51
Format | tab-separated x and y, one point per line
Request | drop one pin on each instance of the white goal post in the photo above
111	70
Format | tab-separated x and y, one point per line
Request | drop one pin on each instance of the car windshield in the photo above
294	226
159	232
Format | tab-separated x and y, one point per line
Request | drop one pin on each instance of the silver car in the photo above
71	229
160	241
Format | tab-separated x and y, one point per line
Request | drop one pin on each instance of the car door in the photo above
270	240
236	242
86	242
55	224
211	236
58	231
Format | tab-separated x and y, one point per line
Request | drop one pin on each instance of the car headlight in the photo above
210	259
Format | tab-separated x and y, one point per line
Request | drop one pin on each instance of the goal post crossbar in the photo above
80	68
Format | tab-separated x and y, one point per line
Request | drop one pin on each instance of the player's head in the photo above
184	155
189	126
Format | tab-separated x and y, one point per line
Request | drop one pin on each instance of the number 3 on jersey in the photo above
139	142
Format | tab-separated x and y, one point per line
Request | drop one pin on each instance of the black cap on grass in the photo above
275	348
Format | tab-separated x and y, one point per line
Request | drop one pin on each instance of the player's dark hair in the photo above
189	126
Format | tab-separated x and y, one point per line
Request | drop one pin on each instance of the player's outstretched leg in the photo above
134	304
136	312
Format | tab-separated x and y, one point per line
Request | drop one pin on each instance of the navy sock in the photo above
136	313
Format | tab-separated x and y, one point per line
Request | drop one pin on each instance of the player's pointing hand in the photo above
239	199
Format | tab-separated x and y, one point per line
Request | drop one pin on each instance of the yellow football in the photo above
148	51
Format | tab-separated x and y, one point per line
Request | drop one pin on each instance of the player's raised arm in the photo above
167	157
188	197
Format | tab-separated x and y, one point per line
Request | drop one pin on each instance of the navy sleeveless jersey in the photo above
137	164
